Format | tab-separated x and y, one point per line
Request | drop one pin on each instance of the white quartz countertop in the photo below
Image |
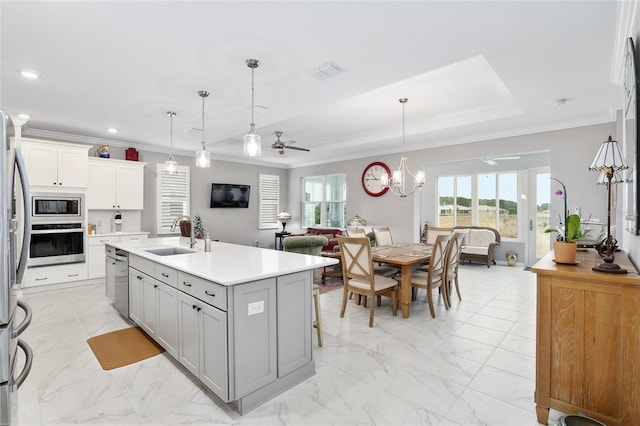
226	264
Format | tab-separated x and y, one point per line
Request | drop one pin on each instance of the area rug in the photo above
123	347
330	285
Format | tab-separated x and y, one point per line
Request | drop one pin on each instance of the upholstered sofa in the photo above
477	246
330	233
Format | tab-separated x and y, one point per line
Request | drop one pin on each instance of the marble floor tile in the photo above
473	364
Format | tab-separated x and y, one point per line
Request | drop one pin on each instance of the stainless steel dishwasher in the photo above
117	279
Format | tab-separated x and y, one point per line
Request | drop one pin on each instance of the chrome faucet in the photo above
192	238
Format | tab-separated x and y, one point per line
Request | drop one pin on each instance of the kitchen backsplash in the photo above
103	220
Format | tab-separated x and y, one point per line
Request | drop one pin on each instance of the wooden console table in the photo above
588	340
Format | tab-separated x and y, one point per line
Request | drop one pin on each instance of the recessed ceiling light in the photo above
24	116
112	130
29	74
561	102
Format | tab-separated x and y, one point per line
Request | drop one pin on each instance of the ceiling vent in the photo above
326	71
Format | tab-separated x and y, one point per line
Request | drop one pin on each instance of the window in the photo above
324	201
495	203
454	201
172	195
269	201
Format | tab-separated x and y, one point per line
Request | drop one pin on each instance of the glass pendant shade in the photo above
609	156
171	165
203	158
403	176
252	141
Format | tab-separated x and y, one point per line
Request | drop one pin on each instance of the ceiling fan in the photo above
280	145
492	161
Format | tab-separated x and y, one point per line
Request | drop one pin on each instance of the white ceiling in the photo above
471	70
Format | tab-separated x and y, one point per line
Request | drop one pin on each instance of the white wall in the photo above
239	226
570	152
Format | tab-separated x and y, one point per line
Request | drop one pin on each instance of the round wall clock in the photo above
371	177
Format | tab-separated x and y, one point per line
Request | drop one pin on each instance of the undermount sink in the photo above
170	251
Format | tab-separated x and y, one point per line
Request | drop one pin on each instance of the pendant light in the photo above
252	140
203	157
398	180
172	166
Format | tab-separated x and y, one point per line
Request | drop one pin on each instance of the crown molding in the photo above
627	26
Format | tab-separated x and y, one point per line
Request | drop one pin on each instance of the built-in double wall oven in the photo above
57	229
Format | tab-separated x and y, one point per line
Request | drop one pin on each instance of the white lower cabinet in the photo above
203	343
57	274
245	342
153	304
96	253
135	295
149	305
167	323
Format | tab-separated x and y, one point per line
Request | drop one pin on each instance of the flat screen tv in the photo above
229	195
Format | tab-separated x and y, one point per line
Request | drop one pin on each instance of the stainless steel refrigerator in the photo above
14	188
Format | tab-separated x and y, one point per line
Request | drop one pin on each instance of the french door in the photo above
538	242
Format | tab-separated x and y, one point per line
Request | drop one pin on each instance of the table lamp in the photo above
283	217
608	161
357	221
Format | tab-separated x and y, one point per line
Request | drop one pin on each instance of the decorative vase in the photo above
512	258
565	252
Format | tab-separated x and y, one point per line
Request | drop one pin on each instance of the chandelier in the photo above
172	166
251	139
399	182
203	157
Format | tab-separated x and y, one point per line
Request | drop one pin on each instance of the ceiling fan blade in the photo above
489	161
296	148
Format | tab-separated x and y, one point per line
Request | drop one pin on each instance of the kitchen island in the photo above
238	318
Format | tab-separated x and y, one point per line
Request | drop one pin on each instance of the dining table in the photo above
406	256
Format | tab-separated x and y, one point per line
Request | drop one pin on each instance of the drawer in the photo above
143	265
167	275
136	237
55	274
99	241
207	291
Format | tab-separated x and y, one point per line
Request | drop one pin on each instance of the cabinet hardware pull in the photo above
209	294
138	277
41	279
75	275
193	306
165	275
54	183
186	283
198	309
155	286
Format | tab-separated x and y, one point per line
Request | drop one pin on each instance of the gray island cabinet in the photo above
238	318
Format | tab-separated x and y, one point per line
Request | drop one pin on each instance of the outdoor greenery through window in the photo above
488	199
324	201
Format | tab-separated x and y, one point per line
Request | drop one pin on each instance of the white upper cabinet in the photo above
55	164
115	184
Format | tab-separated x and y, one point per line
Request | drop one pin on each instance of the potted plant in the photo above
565	245
198	228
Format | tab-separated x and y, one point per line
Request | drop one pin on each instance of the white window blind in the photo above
269	201
172	195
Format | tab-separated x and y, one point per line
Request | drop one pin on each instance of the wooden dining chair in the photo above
359	277
435	277
453	261
383	236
